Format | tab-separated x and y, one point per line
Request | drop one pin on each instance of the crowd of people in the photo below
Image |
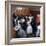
26	26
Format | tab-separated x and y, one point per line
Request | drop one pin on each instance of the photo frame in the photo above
10	7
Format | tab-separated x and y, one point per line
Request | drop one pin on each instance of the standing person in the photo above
34	26
38	25
20	32
29	27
